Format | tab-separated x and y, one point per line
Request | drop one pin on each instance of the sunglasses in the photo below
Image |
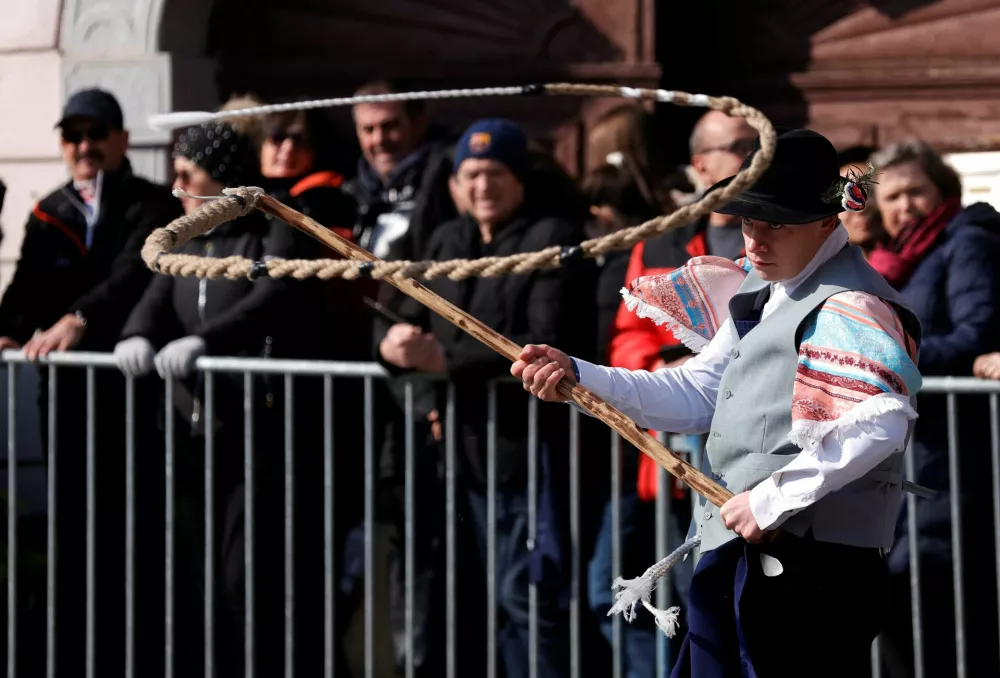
94	133
278	137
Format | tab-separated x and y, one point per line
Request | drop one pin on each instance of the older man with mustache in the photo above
78	277
80	272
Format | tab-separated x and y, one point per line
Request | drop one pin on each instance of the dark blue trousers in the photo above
516	567
817	618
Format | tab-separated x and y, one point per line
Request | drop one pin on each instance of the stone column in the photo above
30	98
116	45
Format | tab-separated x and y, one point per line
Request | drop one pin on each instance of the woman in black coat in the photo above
179	319
942	258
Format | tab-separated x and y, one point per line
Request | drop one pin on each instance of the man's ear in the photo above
698	165
456	196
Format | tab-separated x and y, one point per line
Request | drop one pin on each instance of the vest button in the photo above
727	394
708	515
736	353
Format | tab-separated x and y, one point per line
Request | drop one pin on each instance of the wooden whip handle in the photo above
691	476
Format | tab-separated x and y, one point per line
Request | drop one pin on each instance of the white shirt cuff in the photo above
766	505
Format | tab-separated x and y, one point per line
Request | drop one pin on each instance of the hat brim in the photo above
763	208
80	116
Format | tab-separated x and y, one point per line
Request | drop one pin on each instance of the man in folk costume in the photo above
805	381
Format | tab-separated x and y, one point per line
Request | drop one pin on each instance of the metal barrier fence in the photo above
328	372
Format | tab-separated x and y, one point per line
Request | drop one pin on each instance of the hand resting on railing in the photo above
987	366
134	356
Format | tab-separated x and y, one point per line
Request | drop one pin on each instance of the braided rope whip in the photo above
237	202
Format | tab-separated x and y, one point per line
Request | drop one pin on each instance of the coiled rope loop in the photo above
238	202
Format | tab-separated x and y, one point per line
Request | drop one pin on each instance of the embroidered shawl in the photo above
855	361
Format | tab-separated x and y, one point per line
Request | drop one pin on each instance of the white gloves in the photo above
176	359
134	356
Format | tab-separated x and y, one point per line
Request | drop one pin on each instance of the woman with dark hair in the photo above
943	260
618	198
299	159
179	319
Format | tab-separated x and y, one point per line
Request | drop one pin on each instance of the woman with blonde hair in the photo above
941	256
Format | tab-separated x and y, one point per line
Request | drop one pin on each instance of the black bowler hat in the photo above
93	103
801	185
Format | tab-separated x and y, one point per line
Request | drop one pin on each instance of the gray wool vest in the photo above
748	440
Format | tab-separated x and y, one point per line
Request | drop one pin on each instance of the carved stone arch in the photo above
149	53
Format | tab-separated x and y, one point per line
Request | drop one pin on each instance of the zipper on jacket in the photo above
89	219
202	301
203	287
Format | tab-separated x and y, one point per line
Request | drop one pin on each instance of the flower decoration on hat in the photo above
853	190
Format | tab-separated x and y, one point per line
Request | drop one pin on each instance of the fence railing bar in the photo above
91	592
169	511
995	455
249	528
289	528
328	550
956	534
912	532
12	519
661	523
617	658
449	509
491	533
50	547
209	488
299	368
532	534
574	539
408	541
369	529
130	527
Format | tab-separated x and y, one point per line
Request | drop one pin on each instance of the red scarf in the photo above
897	259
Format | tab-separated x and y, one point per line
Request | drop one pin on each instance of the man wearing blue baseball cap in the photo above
496	185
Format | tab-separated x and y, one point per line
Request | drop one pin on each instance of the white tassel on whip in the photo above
639	590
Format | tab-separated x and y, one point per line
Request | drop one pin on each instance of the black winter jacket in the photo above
344	328
954	291
58	274
551	307
233	317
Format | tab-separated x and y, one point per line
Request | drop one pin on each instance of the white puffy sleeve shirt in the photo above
682	400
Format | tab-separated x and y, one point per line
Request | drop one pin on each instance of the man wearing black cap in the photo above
80	272
805	382
78	277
